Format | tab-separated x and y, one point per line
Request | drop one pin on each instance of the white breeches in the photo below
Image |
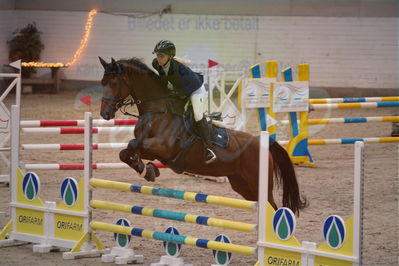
198	101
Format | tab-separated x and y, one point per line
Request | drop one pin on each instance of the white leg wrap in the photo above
142	174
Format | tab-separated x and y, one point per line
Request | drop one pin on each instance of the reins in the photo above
123	104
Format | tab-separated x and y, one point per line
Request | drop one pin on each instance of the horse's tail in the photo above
285	173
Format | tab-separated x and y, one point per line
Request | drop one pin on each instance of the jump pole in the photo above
347	141
330	106
76	130
64	123
354	100
80	166
348	120
175	194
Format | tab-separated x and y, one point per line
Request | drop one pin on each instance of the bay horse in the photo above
160	134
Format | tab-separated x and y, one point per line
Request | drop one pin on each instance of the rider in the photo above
181	80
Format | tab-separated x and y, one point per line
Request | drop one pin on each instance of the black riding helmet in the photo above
165	47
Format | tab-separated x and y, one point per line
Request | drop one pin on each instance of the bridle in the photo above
122	103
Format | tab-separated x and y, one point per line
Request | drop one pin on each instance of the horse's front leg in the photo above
131	156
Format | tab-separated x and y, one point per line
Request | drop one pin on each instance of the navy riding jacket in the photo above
184	80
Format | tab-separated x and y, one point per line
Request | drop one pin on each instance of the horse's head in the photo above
115	88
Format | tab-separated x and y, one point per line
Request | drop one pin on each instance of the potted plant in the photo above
26	45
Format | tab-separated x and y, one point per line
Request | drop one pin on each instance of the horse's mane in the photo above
136	65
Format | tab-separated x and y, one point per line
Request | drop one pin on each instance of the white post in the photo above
18	92
243	106
358	202
210	92
88	162
87	248
262	192
15	117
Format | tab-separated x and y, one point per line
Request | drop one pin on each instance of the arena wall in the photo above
355	52
7	25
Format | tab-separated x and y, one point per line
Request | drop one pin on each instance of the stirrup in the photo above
211	160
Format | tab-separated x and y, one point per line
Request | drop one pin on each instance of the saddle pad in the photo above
220	137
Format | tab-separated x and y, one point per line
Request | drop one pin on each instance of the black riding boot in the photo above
205	132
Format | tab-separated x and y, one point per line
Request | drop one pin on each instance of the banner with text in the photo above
290	96
256	92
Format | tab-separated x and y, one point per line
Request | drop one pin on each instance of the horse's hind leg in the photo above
239	185
247	177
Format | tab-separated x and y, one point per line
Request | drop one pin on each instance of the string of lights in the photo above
83	42
78	53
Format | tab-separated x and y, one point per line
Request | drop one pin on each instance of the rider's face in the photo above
163	59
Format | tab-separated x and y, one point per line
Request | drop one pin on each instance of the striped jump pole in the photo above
353	140
79	166
175	194
330	106
348	120
347	141
76	130
354	100
80	123
178	239
171	215
72	147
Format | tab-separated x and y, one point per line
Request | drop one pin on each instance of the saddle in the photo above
219	135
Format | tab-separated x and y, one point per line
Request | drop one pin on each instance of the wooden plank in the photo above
37	81
55	80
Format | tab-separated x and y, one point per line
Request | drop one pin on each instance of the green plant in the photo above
27	45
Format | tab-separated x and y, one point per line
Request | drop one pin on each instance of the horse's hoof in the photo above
124	156
156	170
150	174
